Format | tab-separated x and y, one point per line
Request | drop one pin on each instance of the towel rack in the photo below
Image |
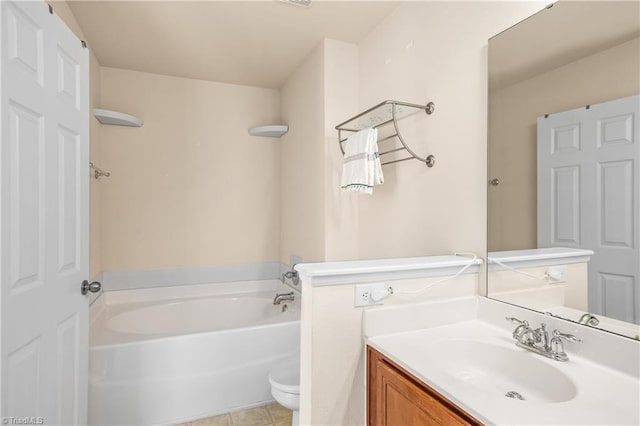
384	113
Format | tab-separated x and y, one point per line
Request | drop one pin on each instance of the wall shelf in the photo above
271	131
387	112
105	116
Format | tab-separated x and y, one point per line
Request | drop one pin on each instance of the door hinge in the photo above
84	43
50	9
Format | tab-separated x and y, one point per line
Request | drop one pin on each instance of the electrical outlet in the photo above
557	274
363	294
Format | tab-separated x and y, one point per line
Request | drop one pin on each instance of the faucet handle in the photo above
567	337
517	321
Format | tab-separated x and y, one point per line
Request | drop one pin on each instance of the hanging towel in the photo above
362	169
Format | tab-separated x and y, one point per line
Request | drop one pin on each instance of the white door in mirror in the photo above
588	185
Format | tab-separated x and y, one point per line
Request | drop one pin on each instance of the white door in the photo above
588	197
44	190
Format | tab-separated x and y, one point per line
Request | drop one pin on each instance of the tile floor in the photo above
267	415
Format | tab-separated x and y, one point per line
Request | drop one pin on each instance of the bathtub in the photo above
173	354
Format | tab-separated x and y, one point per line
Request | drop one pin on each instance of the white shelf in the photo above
272	131
358	271
533	258
104	116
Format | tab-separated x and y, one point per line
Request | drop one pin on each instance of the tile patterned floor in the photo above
267	415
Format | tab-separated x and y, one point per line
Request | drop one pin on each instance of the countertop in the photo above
603	395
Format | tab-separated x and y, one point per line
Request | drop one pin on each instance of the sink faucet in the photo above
281	297
292	275
538	341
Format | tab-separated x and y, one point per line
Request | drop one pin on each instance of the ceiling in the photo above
256	43
556	36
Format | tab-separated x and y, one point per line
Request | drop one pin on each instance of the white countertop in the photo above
350	272
604	396
604	368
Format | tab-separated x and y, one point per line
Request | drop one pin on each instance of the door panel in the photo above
616	201
565	219
70	200
44	188
68	371
24	380
26	241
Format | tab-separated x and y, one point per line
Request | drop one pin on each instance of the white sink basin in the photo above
497	370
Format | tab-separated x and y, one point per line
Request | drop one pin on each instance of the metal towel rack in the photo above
387	112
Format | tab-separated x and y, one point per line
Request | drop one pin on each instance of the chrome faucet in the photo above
292	275
589	319
538	341
281	297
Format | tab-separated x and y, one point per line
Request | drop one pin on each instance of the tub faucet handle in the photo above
292	275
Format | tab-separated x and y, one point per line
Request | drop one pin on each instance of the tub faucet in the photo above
589	319
292	275
281	297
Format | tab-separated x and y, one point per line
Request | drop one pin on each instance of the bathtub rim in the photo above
149	297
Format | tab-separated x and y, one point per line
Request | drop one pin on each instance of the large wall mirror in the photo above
563	164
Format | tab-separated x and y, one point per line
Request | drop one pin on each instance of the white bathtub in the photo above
174	354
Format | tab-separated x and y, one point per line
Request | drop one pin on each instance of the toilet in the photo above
285	385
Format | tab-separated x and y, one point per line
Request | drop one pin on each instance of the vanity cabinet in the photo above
397	398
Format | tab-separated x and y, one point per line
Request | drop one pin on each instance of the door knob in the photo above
494	182
87	287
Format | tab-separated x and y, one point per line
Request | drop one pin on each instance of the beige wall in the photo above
513	110
427	51
432	51
540	294
190	187
302	162
95	250
340	102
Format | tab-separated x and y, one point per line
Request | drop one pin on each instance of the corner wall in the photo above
302	162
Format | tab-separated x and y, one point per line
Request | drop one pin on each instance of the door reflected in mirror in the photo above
563	164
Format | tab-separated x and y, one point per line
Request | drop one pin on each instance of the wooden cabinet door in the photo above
396	398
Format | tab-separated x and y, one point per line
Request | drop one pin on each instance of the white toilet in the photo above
285	385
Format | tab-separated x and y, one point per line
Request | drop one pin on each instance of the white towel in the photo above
362	169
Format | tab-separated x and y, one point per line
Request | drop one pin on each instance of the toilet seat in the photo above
285	376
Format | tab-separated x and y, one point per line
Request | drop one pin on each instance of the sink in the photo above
499	370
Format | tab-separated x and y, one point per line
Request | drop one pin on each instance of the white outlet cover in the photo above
362	294
557	274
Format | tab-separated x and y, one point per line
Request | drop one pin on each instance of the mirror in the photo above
564	164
